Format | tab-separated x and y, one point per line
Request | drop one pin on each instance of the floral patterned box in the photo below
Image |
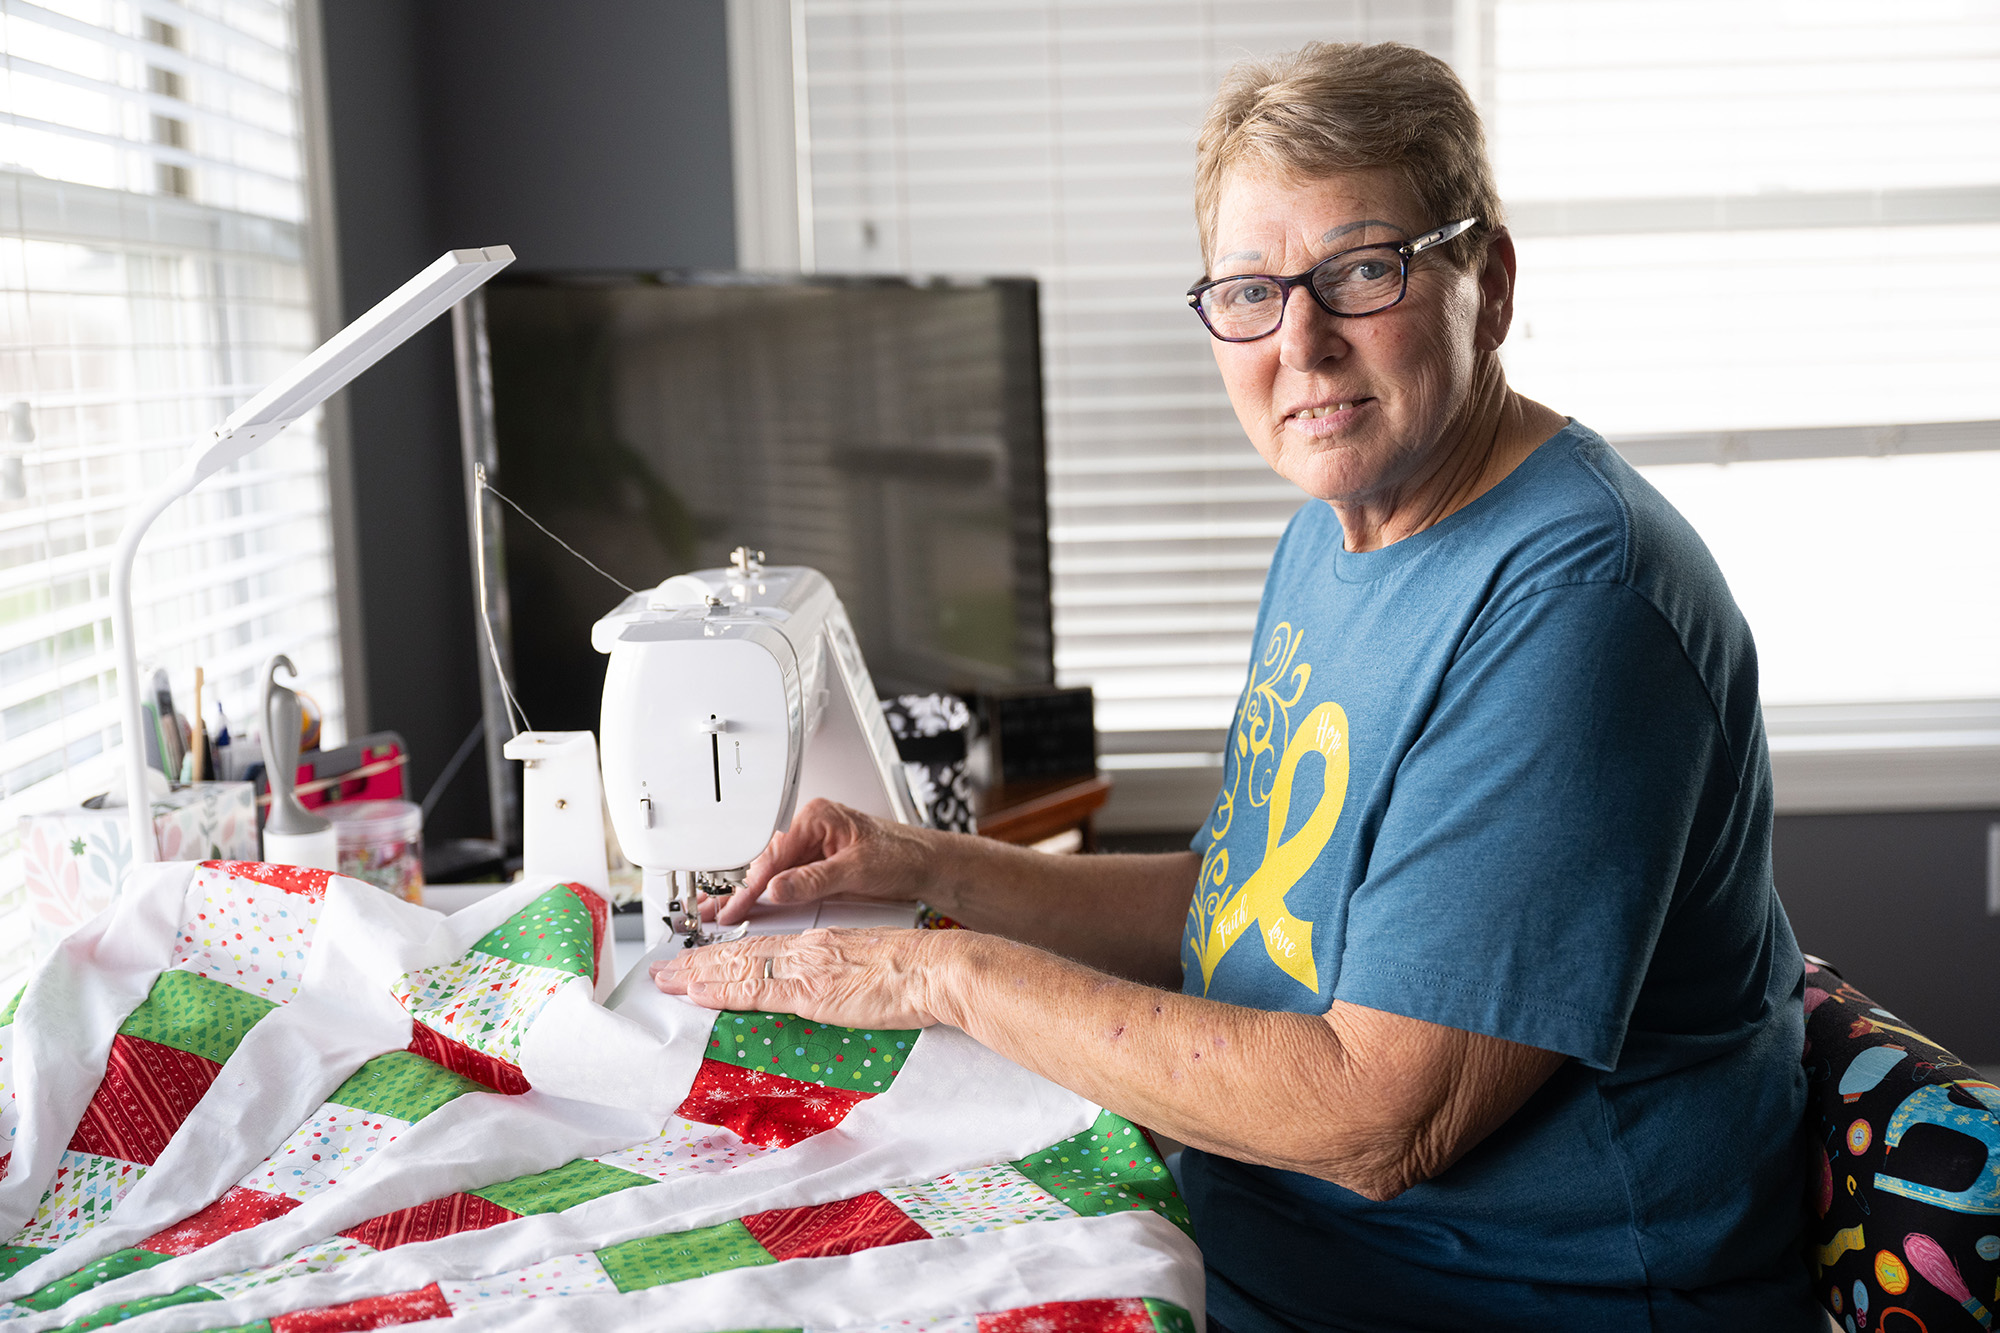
76	857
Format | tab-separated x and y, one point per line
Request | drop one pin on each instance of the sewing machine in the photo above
733	696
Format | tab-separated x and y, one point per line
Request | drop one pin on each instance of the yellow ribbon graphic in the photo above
1287	939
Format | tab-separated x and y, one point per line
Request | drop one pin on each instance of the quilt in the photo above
254	1097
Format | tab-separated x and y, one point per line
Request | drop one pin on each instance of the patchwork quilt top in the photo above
255	1097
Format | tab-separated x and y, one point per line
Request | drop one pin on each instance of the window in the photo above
154	272
1760	249
1057	139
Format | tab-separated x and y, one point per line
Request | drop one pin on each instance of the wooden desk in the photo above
1024	813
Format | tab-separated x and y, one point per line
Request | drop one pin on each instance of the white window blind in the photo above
153	269
1057	139
1760	249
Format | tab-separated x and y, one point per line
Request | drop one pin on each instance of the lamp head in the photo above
385	327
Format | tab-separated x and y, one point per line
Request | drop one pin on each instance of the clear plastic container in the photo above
381	842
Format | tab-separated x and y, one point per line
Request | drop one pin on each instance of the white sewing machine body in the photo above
732	697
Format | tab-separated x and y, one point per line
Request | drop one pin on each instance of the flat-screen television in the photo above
885	431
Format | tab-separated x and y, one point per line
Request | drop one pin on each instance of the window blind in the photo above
1760	249
154	274
1057	139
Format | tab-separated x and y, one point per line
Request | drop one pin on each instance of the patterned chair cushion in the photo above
1903	1232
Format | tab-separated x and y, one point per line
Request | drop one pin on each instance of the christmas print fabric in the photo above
247	1096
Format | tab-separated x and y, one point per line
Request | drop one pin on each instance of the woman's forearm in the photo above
1365	1098
1256	1086
1119	914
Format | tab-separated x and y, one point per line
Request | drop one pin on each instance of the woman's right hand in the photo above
831	850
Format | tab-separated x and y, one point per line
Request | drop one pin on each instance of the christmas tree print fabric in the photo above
508	1150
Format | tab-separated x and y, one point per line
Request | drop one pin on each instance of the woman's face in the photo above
1348	410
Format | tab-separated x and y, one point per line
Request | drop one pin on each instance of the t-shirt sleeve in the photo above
1536	830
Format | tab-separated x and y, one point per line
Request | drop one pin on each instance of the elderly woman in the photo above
1473	1001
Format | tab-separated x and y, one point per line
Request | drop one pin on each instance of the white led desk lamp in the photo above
308	384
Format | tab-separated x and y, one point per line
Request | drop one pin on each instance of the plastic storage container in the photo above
381	842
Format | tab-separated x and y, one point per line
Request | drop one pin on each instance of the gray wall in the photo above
1897	902
590	134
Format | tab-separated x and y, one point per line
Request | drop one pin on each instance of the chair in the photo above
1903	1215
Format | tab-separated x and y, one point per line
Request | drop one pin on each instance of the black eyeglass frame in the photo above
1404	253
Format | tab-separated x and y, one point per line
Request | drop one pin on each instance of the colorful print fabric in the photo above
1110	1167
217	986
171	1049
763	1091
1905	1218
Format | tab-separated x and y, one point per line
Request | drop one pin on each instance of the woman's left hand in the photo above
856	978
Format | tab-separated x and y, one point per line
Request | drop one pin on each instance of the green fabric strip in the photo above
1109	1168
7	1014
119	1313
113	1265
1168	1317
402	1084
654	1261
190	1013
14	1258
552	931
560	1187
812	1052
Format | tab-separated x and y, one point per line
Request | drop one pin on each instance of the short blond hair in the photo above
1331	107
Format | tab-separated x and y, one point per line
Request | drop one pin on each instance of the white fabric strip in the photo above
73	1006
1119	1256
578	1048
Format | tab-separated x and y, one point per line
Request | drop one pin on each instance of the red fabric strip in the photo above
238	1210
148	1090
600	929
766	1109
403	1307
861	1223
292	879
429	1220
1126	1316
462	1059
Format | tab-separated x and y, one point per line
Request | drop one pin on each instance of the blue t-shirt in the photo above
1509	775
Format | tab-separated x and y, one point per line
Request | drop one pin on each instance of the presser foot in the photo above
686	922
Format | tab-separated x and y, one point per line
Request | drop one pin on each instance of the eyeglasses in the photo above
1363	281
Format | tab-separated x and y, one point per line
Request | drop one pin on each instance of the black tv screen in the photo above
885	432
